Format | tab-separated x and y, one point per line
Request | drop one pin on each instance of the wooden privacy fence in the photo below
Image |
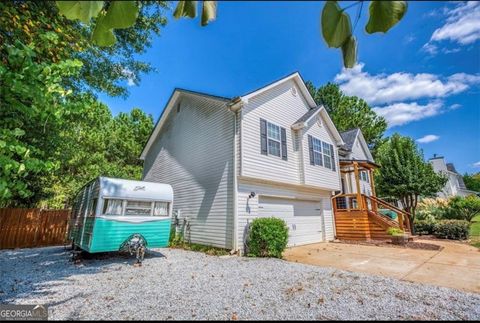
28	228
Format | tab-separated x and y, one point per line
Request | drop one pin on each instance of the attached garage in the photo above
305	218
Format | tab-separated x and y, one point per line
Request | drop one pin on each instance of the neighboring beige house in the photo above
455	185
271	152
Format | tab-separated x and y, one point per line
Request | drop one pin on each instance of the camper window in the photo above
93	208
138	208
112	207
160	209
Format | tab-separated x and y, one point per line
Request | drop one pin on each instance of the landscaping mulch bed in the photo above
408	245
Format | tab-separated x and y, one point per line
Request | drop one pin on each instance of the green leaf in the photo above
18	132
384	15
209	12
349	52
121	14
103	35
82	10
336	26
186	9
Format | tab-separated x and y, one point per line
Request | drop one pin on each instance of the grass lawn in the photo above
475	231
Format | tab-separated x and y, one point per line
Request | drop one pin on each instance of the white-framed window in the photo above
317	152
273	139
364	176
321	153
135	208
113	207
327	155
160	208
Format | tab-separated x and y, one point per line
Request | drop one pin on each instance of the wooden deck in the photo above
362	219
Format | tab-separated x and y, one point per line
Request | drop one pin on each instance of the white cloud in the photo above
462	26
130	76
398	114
398	87
430	48
477	164
428	138
455	106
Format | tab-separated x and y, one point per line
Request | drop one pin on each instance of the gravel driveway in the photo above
177	284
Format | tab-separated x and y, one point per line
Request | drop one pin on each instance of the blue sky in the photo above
423	75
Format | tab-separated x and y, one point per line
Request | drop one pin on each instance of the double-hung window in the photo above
274	139
364	176
327	155
321	153
317	152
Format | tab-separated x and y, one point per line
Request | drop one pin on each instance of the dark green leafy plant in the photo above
267	237
424	227
472	182
452	229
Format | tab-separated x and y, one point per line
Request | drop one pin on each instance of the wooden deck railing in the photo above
349	203
403	216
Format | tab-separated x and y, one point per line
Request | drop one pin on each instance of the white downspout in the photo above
235	106
235	185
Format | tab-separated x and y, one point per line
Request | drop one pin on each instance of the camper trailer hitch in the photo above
135	245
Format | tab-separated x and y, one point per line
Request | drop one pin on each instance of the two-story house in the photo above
270	152
455	185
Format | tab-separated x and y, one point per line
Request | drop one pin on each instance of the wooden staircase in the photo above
361	218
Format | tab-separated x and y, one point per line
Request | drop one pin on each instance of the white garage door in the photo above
303	217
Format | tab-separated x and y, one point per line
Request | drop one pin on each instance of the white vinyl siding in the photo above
194	153
279	107
315	175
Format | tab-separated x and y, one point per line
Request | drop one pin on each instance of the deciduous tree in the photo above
404	174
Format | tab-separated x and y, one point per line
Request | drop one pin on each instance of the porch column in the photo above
357	182
372	186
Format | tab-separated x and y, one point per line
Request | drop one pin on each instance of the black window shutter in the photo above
310	149
333	158
284	143
263	136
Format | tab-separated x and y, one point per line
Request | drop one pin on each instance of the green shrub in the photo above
462	208
268	237
395	231
424	227
452	229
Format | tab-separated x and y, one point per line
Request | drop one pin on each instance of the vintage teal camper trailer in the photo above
109	214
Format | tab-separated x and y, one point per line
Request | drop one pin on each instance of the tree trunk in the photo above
408	202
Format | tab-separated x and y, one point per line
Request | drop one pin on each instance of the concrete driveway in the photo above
456	266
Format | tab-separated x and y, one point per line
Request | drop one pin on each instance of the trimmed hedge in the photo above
423	227
267	237
452	229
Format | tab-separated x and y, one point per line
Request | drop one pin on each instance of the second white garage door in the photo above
303	217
